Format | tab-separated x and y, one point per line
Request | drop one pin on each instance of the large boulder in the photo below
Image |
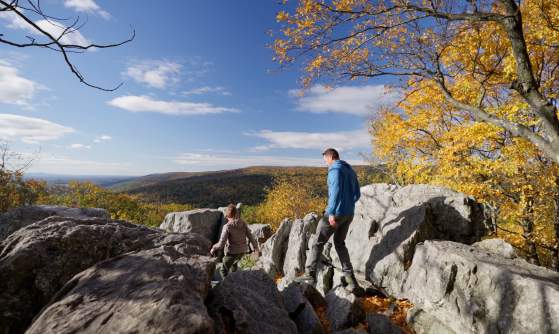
296	255
161	290
206	222
301	300
390	220
15	219
261	232
471	290
249	302
497	246
37	260
274	250
380	323
344	309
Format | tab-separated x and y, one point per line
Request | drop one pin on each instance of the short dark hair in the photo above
332	153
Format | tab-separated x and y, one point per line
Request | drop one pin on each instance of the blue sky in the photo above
200	92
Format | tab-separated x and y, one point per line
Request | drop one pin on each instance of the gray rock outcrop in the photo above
249	302
390	220
37	260
344	309
497	246
161	290
274	250
296	254
262	232
301	300
471	290
15	219
206	222
381	324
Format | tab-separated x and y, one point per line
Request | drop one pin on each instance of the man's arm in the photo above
357	190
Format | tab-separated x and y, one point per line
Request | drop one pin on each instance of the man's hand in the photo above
332	221
212	251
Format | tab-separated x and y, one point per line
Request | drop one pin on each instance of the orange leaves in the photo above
321	313
397	313
282	16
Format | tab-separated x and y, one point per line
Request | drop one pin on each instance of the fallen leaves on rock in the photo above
395	309
321	313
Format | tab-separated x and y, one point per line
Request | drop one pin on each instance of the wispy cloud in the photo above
102	138
57	164
30	130
200	162
87	6
208	90
79	146
15	88
343	140
154	73
54	28
68	36
144	103
356	100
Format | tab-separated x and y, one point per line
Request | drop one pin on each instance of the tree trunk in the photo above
531	250
527	228
555	250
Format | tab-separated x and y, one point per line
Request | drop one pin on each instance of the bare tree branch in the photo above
55	43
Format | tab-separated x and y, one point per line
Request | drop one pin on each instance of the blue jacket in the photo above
343	189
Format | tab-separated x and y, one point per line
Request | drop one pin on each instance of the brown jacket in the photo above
235	234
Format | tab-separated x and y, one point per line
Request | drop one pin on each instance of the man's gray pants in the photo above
325	231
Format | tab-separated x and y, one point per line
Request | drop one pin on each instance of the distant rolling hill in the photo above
213	189
63	180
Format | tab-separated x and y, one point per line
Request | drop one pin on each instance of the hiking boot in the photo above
309	278
353	285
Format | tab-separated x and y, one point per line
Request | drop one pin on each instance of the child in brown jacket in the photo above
234	238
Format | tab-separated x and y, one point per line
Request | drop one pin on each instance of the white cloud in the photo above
30	130
86	6
60	164
56	29
14	21
207	90
201	162
73	37
155	73
362	101
102	138
79	146
15	89
147	104
343	140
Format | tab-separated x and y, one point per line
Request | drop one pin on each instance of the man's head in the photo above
231	211
330	155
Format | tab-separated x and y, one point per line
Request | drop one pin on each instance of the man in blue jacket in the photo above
343	192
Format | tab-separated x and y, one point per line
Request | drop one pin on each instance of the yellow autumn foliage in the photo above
289	198
452	71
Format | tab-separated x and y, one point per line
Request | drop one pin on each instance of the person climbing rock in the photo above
234	239
343	192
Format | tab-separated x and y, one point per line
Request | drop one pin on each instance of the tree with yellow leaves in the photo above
422	144
15	190
289	198
480	81
415	39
